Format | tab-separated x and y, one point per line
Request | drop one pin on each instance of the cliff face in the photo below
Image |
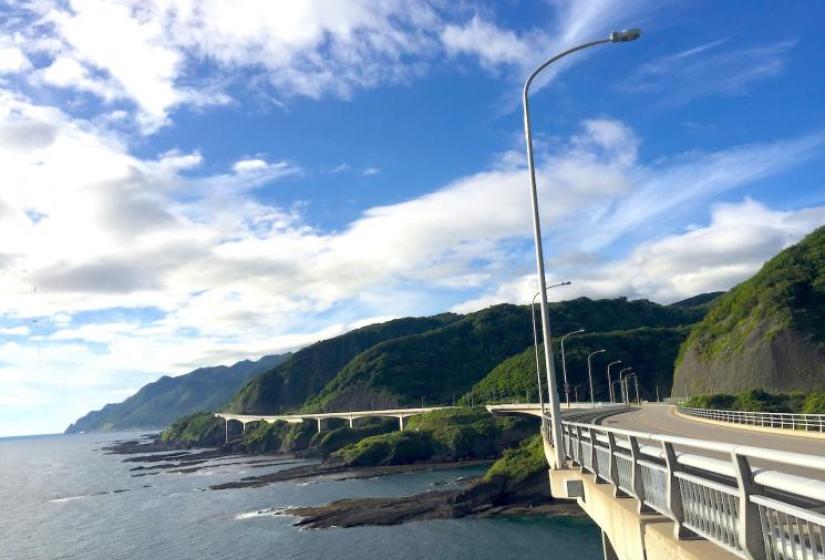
784	361
767	333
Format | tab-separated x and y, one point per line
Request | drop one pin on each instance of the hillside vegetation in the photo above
445	435
762	401
159	403
445	363
650	351
307	371
766	333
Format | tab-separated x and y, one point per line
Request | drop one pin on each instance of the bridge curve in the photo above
400	413
664	486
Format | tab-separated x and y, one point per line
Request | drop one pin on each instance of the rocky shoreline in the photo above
475	496
473	501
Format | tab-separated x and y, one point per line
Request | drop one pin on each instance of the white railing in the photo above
752	512
807	422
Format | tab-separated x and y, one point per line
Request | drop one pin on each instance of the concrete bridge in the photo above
663	485
351	416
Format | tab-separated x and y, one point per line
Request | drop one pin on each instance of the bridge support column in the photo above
607	548
350	422
401	423
319	425
226	425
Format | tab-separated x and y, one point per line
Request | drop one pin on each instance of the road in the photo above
662	419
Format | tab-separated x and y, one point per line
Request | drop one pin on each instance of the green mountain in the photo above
766	333
701	300
159	403
442	364
307	371
434	365
650	351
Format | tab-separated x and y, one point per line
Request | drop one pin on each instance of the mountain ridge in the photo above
160	402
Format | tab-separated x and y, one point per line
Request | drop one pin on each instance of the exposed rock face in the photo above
783	361
766	333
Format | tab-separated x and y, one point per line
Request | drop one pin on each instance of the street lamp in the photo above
627	387
564	366
536	346
609	382
635	377
613	384
621	383
590	376
615	37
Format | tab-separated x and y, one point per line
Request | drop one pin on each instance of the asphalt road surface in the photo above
662	419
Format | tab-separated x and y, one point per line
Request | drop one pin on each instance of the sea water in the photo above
61	497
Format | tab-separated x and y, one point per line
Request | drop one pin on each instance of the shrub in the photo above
814	403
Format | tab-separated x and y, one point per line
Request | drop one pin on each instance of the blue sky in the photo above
189	184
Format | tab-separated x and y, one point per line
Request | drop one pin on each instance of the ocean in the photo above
61	498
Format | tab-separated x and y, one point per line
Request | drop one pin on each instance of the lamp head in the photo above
625	35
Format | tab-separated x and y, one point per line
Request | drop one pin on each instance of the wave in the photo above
266	512
82	496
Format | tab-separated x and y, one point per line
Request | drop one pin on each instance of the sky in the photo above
188	184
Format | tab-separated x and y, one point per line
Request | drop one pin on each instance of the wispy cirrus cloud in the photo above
713	68
573	22
154	56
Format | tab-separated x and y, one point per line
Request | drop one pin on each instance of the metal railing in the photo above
787	420
753	513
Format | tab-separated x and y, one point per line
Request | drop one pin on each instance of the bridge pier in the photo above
350	422
319	424
607	548
401	423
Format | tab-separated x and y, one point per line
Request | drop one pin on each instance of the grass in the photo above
762	401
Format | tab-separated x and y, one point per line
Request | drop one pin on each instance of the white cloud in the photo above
12	60
229	277
712	68
15	331
161	54
730	249
249	165
153	52
574	22
490	43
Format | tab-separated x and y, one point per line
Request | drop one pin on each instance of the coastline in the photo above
475	496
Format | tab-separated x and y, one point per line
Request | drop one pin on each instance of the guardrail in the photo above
807	422
754	513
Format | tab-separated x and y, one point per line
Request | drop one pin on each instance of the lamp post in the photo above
564	366
555	409
536	347
590	376
610	382
627	387
621	383
635	377
613	384
576	391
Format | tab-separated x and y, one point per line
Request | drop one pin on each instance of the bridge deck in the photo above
662	419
